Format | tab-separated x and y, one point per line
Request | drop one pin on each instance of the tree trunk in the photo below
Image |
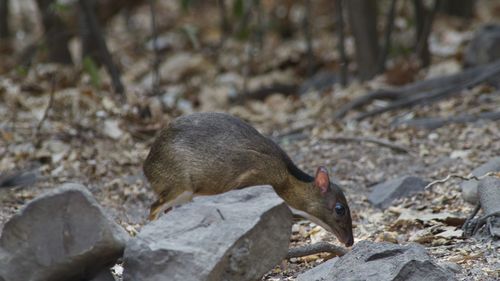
459	8
424	18
90	45
95	34
4	19
339	20
57	34
363	21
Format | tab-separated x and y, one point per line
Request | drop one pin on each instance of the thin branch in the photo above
339	14
308	38
46	112
260	28
381	142
389	27
14	107
156	60
246	66
316	248
224	23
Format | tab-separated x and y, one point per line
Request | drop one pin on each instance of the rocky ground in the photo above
90	136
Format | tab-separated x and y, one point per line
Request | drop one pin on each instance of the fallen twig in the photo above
450	176
46	112
436	122
422	88
434	95
320	247
381	142
224	23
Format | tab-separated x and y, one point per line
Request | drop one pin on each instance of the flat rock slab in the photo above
469	188
384	193
489	196
61	235
238	235
370	261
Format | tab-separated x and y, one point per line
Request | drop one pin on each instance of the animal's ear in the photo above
322	181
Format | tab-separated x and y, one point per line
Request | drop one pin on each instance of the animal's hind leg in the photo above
167	201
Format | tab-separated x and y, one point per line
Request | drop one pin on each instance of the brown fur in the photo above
211	153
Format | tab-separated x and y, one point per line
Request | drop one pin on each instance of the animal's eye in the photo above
339	209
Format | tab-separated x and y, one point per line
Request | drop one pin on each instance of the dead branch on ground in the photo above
436	122
416	88
381	142
320	247
490	70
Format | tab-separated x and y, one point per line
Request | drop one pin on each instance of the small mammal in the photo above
211	153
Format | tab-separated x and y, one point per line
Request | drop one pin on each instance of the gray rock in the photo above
489	196
451	266
104	275
469	188
371	261
484	47
61	235
384	193
238	235
319	272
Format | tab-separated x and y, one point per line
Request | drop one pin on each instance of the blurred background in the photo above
373	89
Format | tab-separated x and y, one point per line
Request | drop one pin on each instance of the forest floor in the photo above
92	137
